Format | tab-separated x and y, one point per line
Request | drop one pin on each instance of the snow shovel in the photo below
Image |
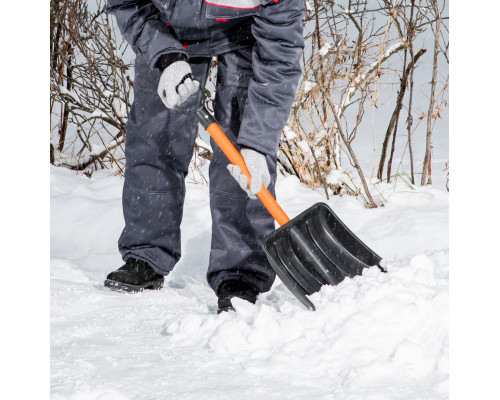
311	250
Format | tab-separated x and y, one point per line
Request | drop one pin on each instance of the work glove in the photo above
257	166
177	84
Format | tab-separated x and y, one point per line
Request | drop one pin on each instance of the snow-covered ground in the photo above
378	336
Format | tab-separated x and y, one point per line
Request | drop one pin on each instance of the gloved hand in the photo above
177	84
257	166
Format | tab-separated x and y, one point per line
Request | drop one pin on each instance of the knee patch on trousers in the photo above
151	180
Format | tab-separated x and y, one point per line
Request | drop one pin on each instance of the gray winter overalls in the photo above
258	44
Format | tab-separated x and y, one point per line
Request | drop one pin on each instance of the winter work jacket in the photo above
205	28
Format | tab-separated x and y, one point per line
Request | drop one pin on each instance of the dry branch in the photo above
91	84
427	158
391	129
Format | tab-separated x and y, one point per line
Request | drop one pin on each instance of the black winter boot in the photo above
134	276
236	288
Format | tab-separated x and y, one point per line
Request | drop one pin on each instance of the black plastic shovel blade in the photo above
314	249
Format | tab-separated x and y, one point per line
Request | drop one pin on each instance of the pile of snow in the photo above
377	336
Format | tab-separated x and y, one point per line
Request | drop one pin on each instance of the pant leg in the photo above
159	147
238	223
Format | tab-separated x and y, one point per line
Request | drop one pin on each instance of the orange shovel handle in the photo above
235	157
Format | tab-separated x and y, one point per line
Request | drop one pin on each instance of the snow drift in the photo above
377	336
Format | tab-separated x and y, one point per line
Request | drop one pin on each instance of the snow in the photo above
120	107
336	177
386	54
308	85
289	133
201	143
70	93
377	336
323	51
98	113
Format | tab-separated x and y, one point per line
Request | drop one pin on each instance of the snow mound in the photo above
379	336
377	329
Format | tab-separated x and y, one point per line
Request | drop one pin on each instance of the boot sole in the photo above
125	287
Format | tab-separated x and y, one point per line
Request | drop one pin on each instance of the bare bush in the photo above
90	88
348	50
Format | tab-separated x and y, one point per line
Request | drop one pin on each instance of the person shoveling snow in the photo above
258	49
